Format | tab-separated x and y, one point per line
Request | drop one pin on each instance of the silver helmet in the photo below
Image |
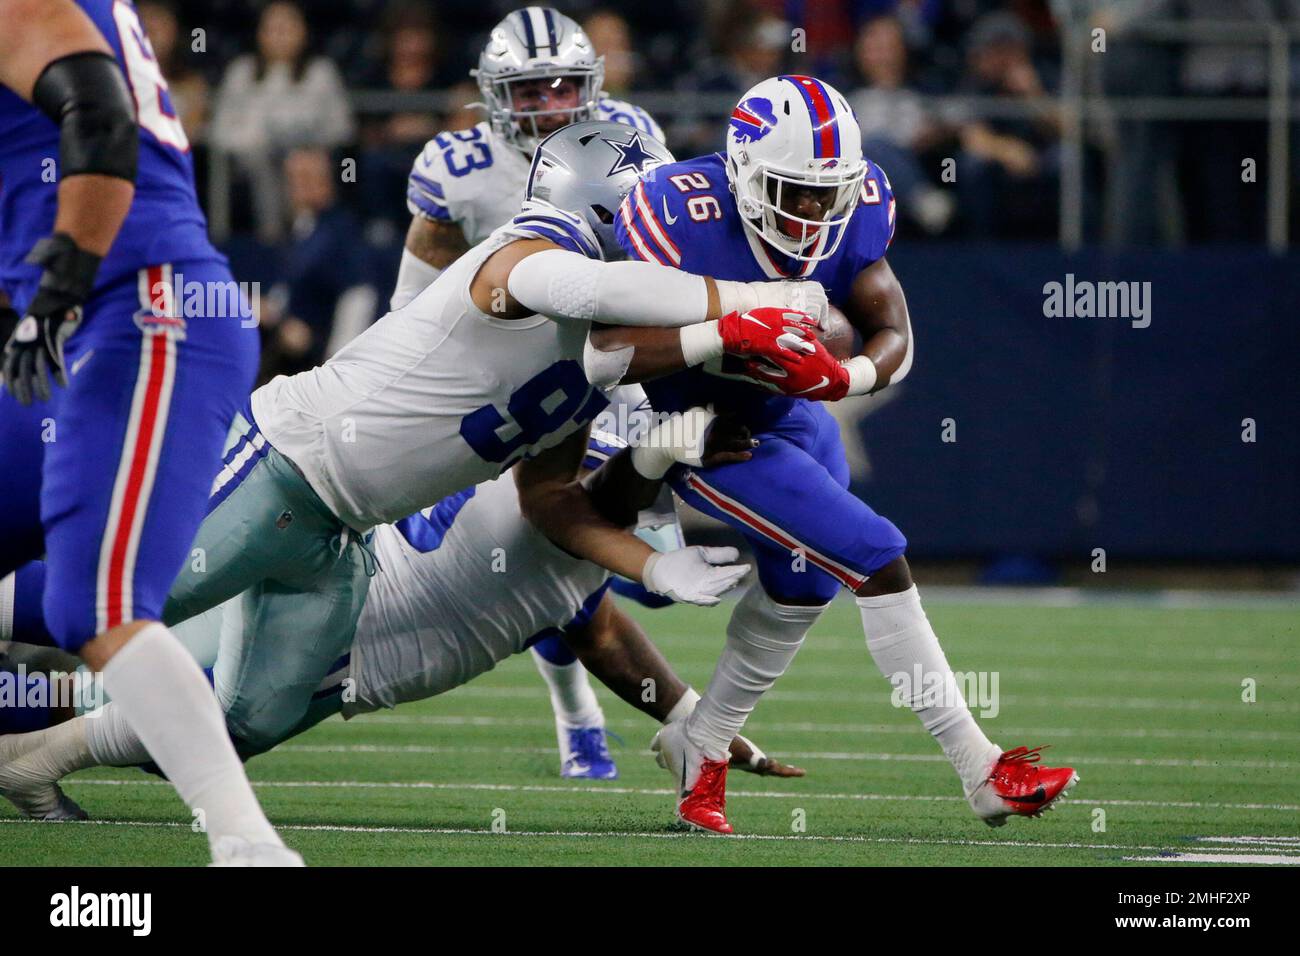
536	43
586	169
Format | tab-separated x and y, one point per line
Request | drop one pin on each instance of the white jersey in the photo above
448	602
475	178
461	587
435	397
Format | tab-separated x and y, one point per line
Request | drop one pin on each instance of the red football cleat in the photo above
701	782
1018	786
705	805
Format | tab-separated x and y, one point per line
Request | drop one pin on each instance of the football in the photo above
838	336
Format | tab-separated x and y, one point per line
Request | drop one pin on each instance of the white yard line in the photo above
1105	597
1096	760
635	834
1255	858
147	781
814	727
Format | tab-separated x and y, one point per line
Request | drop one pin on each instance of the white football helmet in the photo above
530	44
795	132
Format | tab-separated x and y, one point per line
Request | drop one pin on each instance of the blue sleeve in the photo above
559	230
588	609
640	225
875	217
424	193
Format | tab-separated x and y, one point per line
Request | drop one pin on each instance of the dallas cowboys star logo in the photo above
631	155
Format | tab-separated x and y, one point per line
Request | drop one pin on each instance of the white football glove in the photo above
694	575
802	295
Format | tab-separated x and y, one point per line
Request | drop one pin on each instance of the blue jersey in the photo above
684	215
164	224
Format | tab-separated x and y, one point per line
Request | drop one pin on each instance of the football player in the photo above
482	372
537	74
793	197
116	395
424	629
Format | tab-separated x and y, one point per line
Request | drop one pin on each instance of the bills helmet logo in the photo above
753	119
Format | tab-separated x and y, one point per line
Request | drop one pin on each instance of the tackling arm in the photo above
590	520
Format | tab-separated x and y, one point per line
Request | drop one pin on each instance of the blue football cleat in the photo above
583	753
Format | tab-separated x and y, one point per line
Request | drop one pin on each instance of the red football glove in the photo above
768	333
818	376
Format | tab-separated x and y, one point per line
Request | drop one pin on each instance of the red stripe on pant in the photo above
157	356
850	581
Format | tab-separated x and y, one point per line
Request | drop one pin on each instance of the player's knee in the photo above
894	577
258	731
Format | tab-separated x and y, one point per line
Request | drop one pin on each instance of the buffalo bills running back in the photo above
793	197
118	392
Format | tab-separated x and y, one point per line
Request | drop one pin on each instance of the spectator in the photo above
753	49
276	100
410	65
189	91
390	142
1009	171
1218	206
325	299
896	128
609	34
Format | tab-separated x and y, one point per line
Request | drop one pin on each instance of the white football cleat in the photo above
27	785
232	850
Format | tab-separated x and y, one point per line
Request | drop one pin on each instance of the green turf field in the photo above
1145	701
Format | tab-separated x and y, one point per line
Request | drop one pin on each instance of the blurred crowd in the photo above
265	87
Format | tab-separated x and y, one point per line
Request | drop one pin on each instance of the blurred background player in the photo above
538	73
116	392
795	198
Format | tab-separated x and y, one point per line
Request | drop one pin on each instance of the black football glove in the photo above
36	346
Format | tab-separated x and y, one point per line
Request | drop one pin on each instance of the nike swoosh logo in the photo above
685	792
668	217
1038	796
76	366
822	384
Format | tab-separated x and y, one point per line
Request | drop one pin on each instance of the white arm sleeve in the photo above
566	285
414	275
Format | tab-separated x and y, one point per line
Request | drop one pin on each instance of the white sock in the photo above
903	644
572	698
165	699
59	751
762	638
111	740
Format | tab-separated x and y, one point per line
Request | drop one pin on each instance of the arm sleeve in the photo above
425	196
566	285
414	275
